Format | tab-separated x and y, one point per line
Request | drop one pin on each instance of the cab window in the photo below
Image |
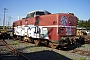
32	14
48	12
40	13
28	16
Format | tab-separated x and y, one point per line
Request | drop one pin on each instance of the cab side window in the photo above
48	12
32	14
28	16
40	13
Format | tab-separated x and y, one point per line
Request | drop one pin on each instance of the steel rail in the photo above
15	52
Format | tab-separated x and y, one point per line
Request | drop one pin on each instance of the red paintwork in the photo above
62	31
73	21
23	22
17	23
47	20
14	23
31	20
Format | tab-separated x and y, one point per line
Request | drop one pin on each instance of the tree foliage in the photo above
71	13
84	24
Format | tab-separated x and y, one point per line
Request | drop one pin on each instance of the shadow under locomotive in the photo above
46	55
43	55
40	55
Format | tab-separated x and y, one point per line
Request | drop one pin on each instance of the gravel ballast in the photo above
46	53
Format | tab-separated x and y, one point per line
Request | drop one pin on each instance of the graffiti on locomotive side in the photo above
36	29
30	31
64	20
72	20
68	31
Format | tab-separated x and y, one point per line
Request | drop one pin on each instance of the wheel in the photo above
37	42
26	39
52	45
21	40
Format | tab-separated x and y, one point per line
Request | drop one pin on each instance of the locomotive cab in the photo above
37	13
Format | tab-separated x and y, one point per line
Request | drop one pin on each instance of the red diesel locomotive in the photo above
43	27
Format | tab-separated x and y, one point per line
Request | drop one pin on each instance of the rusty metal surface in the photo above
86	39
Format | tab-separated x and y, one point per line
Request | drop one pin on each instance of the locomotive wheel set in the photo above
54	30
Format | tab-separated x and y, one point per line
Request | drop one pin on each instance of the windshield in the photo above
48	12
40	13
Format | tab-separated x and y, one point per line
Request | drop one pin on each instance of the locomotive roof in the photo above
36	11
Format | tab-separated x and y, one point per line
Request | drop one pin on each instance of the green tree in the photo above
88	24
77	20
71	13
85	24
80	23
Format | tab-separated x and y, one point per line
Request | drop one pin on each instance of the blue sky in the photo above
81	8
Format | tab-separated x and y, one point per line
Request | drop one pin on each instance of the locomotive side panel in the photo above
71	20
24	27
48	20
62	31
31	21
17	27
53	34
58	24
14	25
67	25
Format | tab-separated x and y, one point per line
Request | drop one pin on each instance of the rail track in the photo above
24	57
76	51
81	52
15	51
